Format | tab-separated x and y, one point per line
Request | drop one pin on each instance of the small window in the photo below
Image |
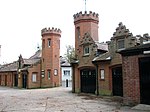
86	50
55	72
49	74
49	42
34	77
102	74
78	32
121	44
66	72
43	43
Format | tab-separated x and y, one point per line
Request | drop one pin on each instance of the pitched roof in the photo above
38	54
103	57
64	62
102	46
9	67
14	66
30	61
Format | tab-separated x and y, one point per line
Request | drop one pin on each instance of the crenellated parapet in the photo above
86	16
50	31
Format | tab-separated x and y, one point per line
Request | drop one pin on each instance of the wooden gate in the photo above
144	69
88	81
117	81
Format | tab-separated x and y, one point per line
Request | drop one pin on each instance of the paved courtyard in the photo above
58	99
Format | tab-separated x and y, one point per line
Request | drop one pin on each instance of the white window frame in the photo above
102	74
86	48
55	71
34	77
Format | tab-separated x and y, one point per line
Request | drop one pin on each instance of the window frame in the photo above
34	77
49	74
55	72
78	32
121	44
102	74
85	49
49	42
66	72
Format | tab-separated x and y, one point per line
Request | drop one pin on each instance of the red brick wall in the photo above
34	69
7	79
131	84
77	80
50	57
86	23
105	85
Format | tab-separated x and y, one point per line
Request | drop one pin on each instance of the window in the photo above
66	72
78	32
55	72
49	42
86	50
121	44
102	74
34	77
43	43
49	74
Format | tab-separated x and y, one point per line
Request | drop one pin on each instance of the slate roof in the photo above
30	61
9	67
102	46
37	55
14	66
103	57
64	62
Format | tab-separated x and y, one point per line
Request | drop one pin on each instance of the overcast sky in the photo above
21	22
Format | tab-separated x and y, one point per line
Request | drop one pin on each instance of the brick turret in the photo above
50	31
86	23
50	57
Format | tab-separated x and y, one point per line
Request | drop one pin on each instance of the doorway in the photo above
24	81
117	81
16	80
144	73
88	81
5	80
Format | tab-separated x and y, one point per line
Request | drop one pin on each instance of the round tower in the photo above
50	57
87	22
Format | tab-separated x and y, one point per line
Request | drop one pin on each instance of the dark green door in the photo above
117	81
88	81
144	69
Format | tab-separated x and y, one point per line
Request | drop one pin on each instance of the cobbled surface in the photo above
58	99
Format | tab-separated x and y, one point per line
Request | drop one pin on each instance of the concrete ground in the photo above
58	99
